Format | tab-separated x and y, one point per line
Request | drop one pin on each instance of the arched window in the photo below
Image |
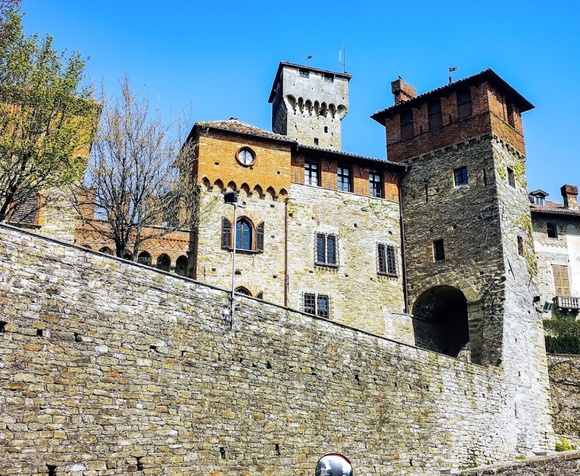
243	291
248	238
181	266
144	258
552	230
106	250
163	262
243	235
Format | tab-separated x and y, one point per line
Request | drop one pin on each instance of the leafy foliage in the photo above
46	115
562	336
134	184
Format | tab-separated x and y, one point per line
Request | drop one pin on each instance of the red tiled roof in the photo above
233	125
554	208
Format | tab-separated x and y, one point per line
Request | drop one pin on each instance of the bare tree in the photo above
139	182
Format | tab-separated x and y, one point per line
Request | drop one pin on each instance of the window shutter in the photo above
226	233
260	237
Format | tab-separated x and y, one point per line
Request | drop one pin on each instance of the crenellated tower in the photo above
308	104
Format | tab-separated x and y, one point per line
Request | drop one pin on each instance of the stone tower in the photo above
469	253
308	104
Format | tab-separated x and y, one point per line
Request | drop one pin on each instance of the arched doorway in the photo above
440	320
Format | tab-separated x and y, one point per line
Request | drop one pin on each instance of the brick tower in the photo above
308	104
469	253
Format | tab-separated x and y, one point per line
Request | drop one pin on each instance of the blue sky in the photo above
219	58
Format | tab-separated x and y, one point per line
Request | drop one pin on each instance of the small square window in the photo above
304	73
329	78
317	305
460	176
438	250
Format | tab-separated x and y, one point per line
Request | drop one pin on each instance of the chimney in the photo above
402	91
570	196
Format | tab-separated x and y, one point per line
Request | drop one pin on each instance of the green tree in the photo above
47	116
139	182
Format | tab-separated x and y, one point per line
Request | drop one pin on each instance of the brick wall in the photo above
109	368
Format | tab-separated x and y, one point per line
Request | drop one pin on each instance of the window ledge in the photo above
247	252
387	275
326	265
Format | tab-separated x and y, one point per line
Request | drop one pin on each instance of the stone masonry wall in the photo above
562	464
359	295
110	368
565	389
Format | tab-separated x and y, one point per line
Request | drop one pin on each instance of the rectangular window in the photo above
460	176
311	173
561	280
329	78
407	131
464	109
511	177
435	117
326	249
438	250
375	185
511	113
387	259
520	246
304	73
343	179
317	305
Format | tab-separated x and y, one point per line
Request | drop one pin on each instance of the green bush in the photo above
562	336
564	445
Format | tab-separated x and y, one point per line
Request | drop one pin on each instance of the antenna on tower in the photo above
342	57
308	58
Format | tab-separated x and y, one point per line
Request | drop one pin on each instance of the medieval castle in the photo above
389	309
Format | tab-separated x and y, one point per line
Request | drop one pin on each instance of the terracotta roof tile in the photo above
554	207
233	125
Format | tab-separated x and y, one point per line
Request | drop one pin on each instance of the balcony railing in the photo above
567	302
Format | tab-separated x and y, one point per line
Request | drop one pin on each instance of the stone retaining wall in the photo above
561	464
110	368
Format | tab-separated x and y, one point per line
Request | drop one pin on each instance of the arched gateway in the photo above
440	320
